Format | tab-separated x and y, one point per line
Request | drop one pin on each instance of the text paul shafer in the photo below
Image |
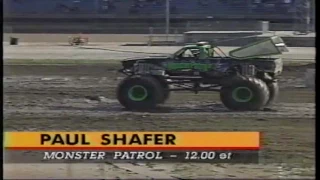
123	155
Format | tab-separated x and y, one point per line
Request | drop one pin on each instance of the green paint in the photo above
242	94
137	93
197	66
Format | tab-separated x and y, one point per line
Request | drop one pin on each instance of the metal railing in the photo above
93	27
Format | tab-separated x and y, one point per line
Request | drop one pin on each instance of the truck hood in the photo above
128	63
270	46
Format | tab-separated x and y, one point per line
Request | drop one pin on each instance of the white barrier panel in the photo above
265	26
310	78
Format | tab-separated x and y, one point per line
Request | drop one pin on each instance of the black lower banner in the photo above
15	156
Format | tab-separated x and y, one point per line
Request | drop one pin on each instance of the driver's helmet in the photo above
202	43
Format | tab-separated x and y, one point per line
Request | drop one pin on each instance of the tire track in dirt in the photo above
303	110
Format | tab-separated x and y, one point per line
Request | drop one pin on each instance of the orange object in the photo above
132	140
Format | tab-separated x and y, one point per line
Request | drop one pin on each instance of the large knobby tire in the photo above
245	94
165	90
274	92
139	92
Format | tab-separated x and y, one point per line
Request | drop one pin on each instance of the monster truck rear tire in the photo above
139	92
254	96
274	92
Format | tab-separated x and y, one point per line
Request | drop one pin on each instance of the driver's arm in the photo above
211	52
203	53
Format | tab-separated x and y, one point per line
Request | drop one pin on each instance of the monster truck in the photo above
246	79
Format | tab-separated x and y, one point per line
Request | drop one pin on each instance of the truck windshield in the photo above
197	52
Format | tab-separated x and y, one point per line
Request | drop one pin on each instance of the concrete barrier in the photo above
310	78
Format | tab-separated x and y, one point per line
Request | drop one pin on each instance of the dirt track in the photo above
93	37
83	98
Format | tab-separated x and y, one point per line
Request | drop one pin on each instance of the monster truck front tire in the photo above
165	90
139	92
274	92
245	94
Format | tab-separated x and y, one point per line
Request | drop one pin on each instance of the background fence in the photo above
141	27
137	16
226	9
